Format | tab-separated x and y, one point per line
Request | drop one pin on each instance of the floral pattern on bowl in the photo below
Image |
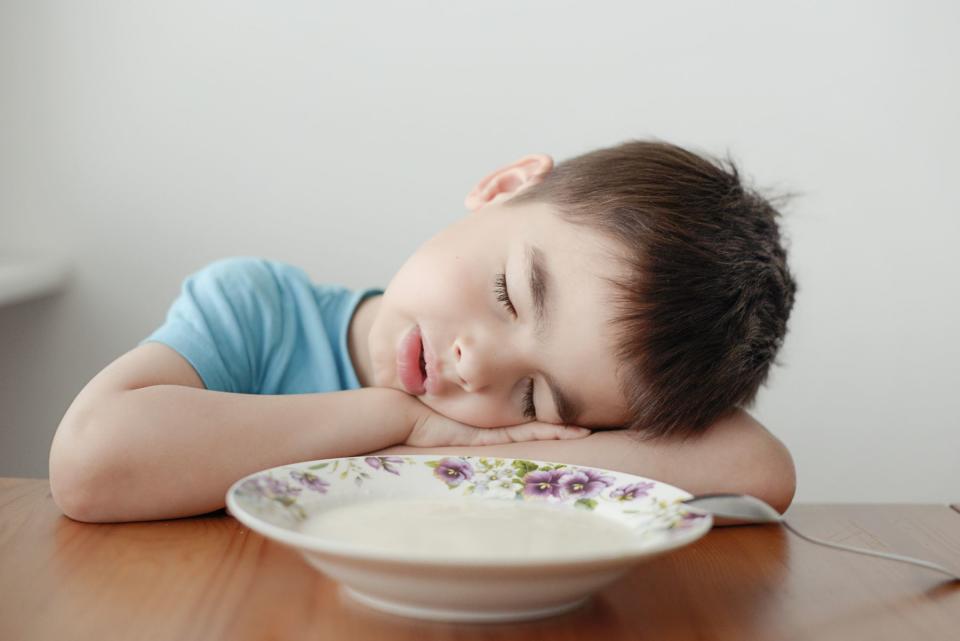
280	494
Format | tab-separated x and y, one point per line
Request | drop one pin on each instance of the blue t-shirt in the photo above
255	326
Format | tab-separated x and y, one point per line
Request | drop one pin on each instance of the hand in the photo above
436	430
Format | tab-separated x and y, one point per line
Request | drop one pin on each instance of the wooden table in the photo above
208	577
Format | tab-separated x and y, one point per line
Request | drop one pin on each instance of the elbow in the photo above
756	462
68	494
76	499
71	499
75	472
781	486
776	482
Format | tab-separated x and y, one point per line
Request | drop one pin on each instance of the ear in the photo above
509	180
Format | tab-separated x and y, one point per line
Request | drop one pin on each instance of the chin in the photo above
384	374
392	384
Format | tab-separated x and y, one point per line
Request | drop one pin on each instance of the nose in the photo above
457	367
482	365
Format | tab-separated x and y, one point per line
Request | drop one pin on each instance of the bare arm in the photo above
145	440
737	454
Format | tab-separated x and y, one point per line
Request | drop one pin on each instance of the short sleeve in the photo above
226	321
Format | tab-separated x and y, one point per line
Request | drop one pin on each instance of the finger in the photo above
511	434
495	436
545	432
573	432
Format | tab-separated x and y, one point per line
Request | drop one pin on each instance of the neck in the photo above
358	339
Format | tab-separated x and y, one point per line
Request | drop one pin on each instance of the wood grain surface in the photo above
208	577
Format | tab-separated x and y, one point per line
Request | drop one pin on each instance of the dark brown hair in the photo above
703	308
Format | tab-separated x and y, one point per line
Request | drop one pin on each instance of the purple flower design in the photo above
311	481
584	483
250	486
543	482
453	471
269	487
687	520
633	491
384	462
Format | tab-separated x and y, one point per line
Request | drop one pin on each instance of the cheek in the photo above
438	282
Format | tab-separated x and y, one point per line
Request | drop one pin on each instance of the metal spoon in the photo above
743	508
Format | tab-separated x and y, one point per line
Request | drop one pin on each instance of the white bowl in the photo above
491	587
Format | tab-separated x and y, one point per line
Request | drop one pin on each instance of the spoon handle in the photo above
883	555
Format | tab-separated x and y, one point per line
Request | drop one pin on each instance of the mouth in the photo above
432	379
411	363
423	361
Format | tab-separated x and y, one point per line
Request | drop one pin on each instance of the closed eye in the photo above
500	289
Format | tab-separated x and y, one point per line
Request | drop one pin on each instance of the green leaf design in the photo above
318	466
587	504
522	466
343	474
433	463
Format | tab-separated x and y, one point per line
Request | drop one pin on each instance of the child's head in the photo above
666	299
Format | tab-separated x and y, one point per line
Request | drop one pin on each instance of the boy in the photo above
639	287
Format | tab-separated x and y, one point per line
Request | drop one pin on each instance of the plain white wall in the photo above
143	140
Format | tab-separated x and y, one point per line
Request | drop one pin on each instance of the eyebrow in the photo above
568	409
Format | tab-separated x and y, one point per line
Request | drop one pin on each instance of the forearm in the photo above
736	454
167	451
